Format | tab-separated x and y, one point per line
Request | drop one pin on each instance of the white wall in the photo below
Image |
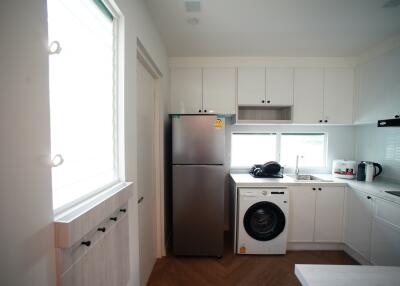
138	24
381	145
26	211
27	241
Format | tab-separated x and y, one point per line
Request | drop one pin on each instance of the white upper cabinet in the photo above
338	95
279	86
251	86
219	90
308	95
358	222
379	88
329	214
186	90
323	95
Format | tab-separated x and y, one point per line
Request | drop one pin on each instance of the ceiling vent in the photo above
192	6
391	4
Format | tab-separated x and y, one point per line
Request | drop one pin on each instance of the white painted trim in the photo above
356	256
144	58
262	61
299	246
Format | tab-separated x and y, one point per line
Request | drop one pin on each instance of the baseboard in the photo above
356	256
298	246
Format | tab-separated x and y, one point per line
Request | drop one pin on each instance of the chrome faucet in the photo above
297	170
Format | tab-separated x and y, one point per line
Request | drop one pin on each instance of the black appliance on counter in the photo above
270	169
361	172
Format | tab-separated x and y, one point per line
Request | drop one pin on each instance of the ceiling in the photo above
274	27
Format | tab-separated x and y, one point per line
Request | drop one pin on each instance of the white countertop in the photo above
376	188
347	275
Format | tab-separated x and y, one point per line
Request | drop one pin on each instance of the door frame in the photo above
145	59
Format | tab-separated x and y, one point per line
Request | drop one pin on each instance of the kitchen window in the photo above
253	148
83	37
311	148
258	148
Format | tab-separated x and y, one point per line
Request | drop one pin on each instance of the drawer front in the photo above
388	212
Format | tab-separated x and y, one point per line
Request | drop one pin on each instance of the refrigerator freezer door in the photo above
198	140
198	210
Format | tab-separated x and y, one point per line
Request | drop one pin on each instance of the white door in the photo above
385	239
329	214
301	214
358	222
146	172
186	90
338	95
308	95
219	90
279	86
251	86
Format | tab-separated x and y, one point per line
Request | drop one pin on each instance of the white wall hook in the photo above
57	160
54	48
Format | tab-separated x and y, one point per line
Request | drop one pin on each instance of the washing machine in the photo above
262	220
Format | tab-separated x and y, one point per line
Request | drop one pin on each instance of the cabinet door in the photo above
219	90
385	240
358	222
116	249
308	95
329	214
186	90
338	95
279	86
301	214
379	86
90	270
251	86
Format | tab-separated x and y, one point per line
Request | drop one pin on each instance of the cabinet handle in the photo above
205	110
122	210
320	121
397	116
140	200
102	229
87	243
319	189
199	110
326	121
268	101
262	101
113	218
368	197
313	189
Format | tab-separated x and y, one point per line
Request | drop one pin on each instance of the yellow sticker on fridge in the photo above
218	123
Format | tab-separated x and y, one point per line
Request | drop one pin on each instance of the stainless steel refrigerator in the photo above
198	179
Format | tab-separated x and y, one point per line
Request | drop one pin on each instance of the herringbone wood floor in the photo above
239	270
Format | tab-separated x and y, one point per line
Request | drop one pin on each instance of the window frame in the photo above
118	114
288	169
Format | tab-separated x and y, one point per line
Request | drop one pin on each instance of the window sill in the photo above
72	224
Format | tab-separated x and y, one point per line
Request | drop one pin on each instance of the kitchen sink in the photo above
308	178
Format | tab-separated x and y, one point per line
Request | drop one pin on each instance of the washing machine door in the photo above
264	221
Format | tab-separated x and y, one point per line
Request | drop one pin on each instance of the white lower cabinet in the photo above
316	214
329	214
385	237
301	214
358	222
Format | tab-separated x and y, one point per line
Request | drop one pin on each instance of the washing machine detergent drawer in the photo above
262	221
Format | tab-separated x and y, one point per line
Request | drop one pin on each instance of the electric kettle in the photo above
367	171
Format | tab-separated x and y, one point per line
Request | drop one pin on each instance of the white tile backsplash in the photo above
381	145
